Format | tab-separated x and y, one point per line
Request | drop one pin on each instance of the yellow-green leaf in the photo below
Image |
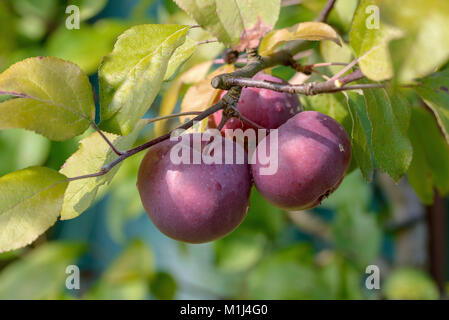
181	54
313	31
239	23
30	203
370	43
389	119
92	155
131	76
54	98
425	47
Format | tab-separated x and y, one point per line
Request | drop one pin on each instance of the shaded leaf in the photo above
430	164
410	284
357	235
21	148
170	97
54	98
30	203
202	95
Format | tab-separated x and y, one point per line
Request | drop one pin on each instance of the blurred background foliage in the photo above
321	254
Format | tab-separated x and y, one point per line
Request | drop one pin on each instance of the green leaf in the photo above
87	45
163	286
372	43
41	274
54	98
181	55
30	203
313	31
435	92
426	44
410	284
430	164
361	134
238	22
389	119
331	104
131	76
92	155
128	275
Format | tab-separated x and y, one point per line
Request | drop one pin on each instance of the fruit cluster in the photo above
203	202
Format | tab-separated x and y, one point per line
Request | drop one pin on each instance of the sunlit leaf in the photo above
287	274
92	155
131	76
54	98
313	31
30	203
371	42
239	23
41	274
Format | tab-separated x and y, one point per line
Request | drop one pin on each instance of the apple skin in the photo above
193	203
314	154
267	108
